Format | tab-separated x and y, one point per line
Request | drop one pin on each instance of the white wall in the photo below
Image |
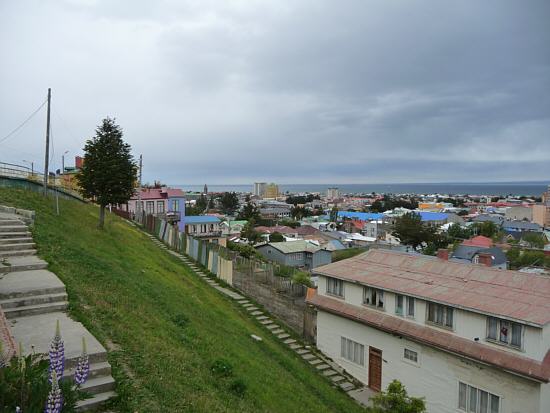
467	324
437	375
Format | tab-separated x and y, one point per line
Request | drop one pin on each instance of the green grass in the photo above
348	253
164	326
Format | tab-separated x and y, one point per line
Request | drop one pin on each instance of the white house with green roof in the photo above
300	254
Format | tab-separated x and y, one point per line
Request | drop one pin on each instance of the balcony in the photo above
207	234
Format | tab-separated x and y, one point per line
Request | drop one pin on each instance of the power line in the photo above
24	122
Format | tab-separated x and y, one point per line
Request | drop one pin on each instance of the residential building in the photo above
491	257
234	227
541	215
520	213
333	193
159	202
205	227
300	254
479	241
259	189
275	210
271	191
521	226
468	338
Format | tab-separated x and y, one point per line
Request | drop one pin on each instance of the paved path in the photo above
322	365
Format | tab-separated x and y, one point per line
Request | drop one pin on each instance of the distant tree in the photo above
396	400
229	202
299	212
249	211
377	206
462	212
487	229
201	204
534	240
211	202
290	223
334	214
276	237
518	258
410	230
250	234
109	173
456	231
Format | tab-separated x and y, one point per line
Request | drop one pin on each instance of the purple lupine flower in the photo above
82	367
17	409
57	354
55	398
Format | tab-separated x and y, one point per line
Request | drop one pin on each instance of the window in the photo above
160	207
373	297
410	355
335	287
440	314
150	207
399	304
410	307
404	305
472	399
175	205
352	351
504	332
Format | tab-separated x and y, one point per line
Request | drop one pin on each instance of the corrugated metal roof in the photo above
504	293
294	246
201	219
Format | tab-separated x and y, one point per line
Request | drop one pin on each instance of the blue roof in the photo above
432	216
201	219
362	216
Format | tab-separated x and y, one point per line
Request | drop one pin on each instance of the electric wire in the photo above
24	122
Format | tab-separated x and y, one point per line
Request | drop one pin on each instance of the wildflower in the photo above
57	354
55	398
83	366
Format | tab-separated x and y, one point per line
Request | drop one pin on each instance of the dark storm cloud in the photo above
295	91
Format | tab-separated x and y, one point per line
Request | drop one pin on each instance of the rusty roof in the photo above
502	293
443	340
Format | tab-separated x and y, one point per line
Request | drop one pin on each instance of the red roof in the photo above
437	338
512	294
479	241
306	230
159	193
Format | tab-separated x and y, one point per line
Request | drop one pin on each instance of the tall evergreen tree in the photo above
109	173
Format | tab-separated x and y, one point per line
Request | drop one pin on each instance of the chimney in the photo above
443	254
485	259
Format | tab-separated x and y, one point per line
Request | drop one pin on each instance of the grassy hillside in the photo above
164	326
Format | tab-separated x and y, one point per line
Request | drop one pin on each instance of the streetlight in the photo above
32	166
63	162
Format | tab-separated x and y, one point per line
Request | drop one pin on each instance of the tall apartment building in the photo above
333	193
467	337
271	191
259	188
541	212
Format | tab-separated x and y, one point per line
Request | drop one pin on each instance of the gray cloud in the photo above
295	91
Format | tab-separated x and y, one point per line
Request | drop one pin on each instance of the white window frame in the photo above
445	309
337	289
407	307
160	207
379	295
499	326
478	390
408	360
150	207
352	351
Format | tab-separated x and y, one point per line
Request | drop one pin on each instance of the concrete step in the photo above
17	246
33	300
13	228
15	240
29	283
95	402
99	384
37	309
10	222
19	253
24	233
100	369
13	264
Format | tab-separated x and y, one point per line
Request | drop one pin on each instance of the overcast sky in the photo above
292	91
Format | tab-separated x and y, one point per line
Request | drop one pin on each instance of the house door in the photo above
375	369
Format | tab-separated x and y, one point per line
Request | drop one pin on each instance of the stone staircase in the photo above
33	299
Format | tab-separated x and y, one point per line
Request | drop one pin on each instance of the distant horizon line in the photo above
542	182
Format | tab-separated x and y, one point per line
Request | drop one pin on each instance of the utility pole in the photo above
139	208
46	161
